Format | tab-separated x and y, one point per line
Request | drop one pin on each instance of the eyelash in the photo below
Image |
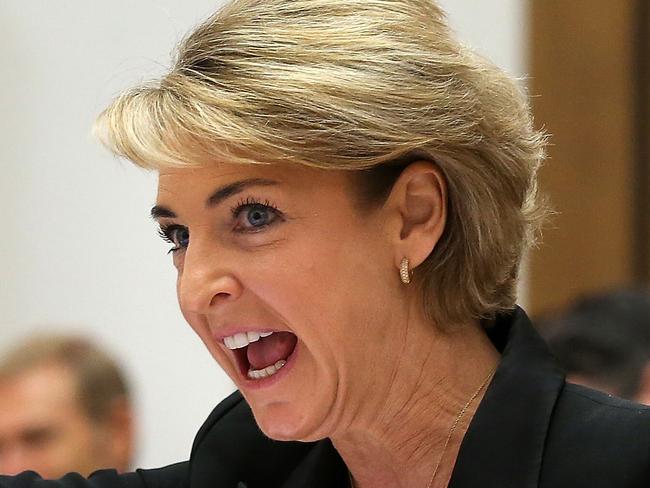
166	232
241	205
248	202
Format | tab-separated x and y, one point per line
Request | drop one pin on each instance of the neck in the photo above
410	435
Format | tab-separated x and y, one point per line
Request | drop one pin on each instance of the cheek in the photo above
178	296
320	287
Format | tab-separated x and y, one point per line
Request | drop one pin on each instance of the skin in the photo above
370	371
43	427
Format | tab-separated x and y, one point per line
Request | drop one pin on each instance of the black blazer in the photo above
531	430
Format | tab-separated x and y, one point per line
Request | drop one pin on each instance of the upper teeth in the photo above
243	339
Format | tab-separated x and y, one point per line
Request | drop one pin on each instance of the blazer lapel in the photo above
504	444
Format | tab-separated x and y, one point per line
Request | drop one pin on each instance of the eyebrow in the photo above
219	195
237	187
160	212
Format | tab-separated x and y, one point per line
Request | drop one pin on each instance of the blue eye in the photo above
177	235
258	215
252	216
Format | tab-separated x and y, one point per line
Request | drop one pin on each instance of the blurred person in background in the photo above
64	406
603	341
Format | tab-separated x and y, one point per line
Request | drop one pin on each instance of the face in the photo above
288	283
42	427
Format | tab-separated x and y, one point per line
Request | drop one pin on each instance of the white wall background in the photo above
77	249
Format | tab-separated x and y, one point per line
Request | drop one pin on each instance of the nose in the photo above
206	280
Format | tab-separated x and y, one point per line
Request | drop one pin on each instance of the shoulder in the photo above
597	438
585	413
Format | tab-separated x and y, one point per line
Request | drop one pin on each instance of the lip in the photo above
246	383
219	334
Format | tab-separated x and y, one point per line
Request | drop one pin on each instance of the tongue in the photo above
269	350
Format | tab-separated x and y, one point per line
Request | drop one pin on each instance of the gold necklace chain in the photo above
451	430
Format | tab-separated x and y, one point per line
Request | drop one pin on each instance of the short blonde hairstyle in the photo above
355	84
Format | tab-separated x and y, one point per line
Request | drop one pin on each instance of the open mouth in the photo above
261	354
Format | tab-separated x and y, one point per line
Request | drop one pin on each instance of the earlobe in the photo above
420	198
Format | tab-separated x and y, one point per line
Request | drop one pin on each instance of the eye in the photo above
177	235
252	216
39	436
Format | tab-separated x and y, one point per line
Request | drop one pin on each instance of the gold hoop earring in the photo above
404	272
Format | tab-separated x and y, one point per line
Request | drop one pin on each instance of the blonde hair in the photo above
355	84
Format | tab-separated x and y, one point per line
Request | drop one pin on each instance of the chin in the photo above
287	422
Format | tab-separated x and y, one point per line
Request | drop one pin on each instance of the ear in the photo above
418	203
121	432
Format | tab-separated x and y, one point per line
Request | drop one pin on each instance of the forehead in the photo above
37	394
200	181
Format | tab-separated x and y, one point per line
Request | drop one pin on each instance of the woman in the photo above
347	193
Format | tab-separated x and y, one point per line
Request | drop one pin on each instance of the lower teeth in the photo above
256	374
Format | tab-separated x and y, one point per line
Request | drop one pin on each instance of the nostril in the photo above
219	297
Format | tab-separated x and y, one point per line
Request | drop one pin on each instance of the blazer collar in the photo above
505	441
